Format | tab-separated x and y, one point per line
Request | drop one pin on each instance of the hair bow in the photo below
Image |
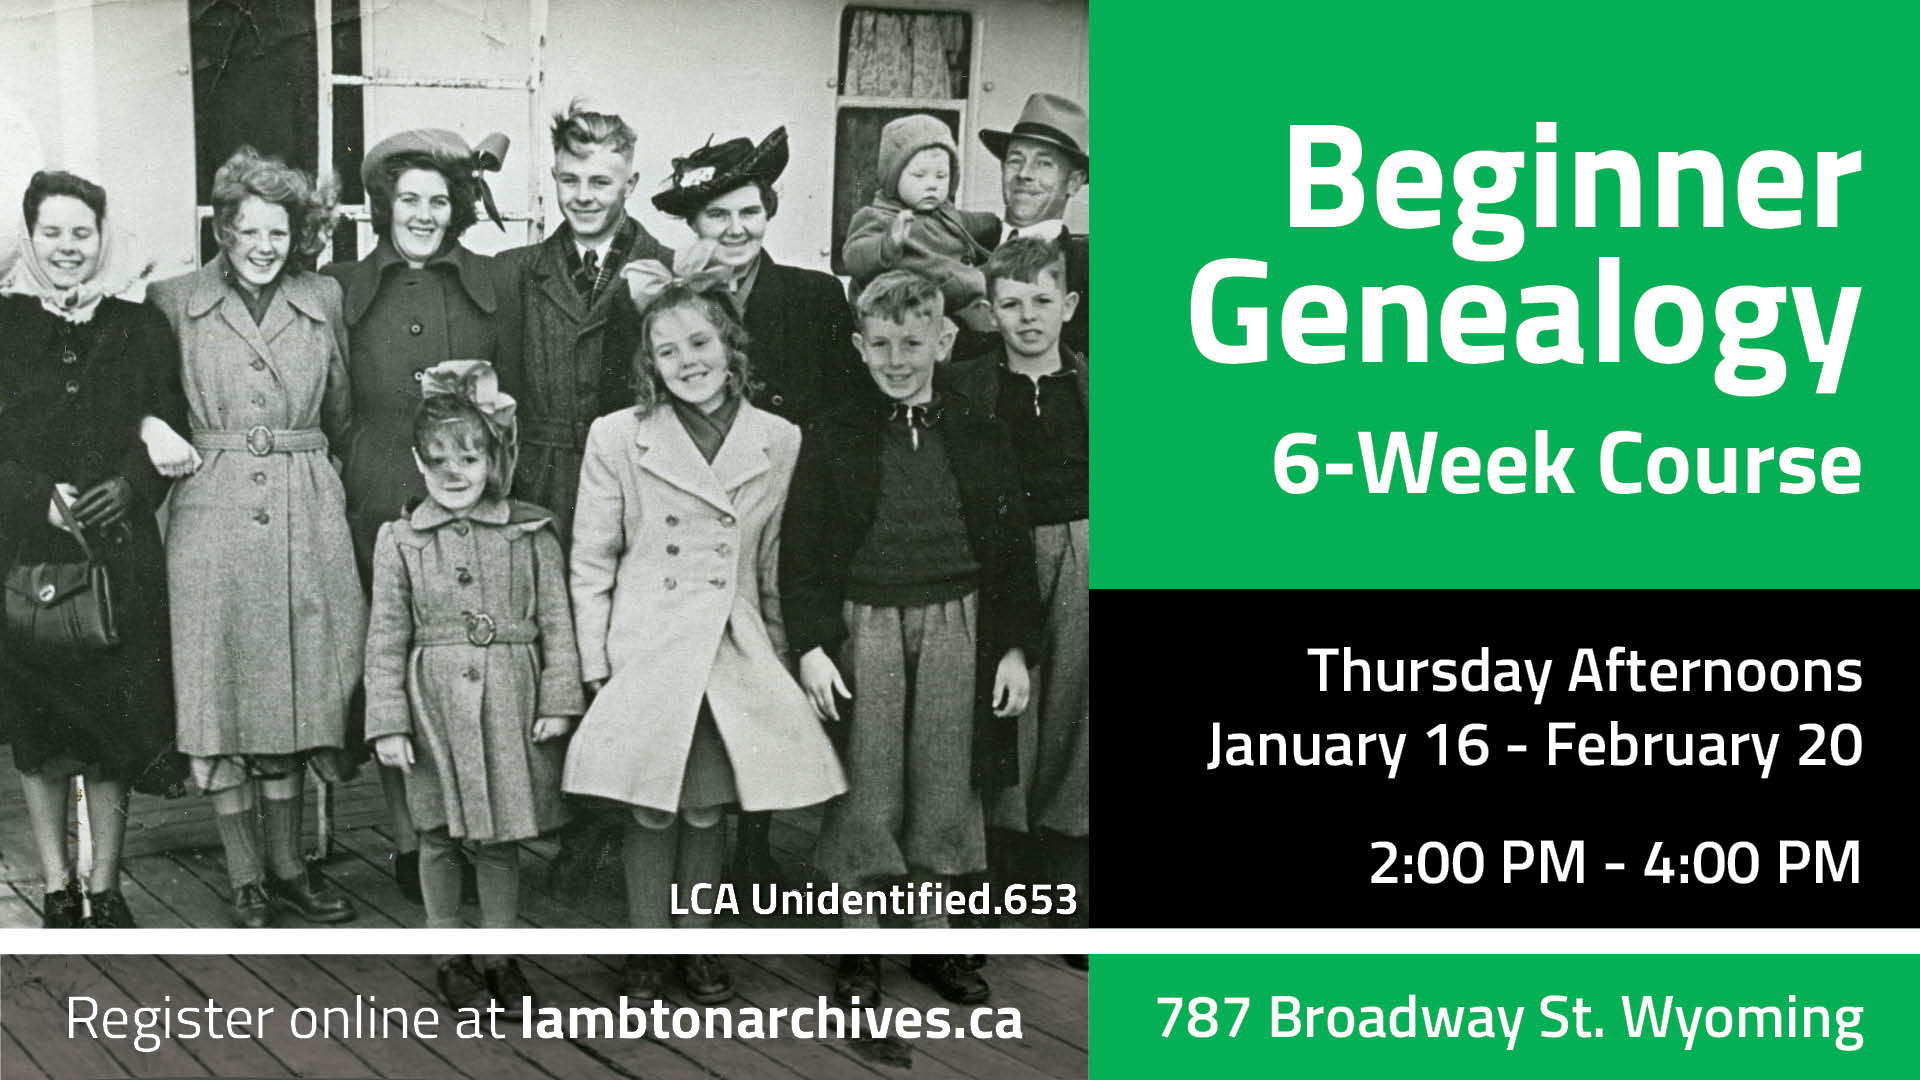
488	156
475	382
696	267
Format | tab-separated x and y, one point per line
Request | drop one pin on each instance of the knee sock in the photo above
242	848
648	855
497	868
702	851
283	837
439	879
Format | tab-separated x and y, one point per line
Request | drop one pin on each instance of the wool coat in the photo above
835	496
402	321
576	362
947	245
467	690
800	345
675	600
78	422
267	623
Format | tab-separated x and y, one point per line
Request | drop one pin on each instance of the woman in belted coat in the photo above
419	298
676	540
267	624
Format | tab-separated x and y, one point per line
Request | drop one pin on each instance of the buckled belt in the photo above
477	628
556	434
261	440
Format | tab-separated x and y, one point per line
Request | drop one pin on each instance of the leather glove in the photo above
105	504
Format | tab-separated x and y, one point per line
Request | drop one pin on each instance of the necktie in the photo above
589	276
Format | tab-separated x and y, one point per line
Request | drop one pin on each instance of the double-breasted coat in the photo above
800	342
268	625
576	362
71	401
470	641
401	321
675	600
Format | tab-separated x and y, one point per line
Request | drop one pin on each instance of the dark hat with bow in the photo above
712	171
447	150
1059	122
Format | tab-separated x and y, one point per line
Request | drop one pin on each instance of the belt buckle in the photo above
480	628
259	440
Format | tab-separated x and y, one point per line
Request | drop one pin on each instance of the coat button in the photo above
260	478
463	575
722	550
727	520
69	357
670	583
779	399
460	527
673	549
718	583
72	387
672	520
416	329
259	402
261	517
471	674
259	364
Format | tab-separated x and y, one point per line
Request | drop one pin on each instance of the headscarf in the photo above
117	270
475	382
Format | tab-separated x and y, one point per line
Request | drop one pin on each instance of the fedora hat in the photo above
1048	118
712	171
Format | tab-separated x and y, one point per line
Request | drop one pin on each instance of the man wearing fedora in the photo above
1043	164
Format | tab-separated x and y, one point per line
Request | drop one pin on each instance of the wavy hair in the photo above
462	190
50	182
311	208
649	390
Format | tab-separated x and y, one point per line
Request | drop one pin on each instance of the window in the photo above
893	62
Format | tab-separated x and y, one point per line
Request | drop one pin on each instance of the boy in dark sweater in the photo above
907	586
1037	386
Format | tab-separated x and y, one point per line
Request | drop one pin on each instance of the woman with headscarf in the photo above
79	370
418	299
267	624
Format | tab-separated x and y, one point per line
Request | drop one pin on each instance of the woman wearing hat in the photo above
799	327
418	299
268	629
78	371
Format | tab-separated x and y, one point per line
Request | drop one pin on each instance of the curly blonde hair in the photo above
311	208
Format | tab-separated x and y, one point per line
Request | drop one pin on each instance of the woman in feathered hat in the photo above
798	323
420	298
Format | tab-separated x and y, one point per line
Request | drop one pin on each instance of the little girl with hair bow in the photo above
473	680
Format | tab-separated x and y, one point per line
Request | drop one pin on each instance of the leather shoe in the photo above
641	978
461	987
856	977
950	978
60	910
251	908
110	911
314	901
706	979
509	987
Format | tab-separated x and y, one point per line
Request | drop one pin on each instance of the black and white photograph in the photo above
548	463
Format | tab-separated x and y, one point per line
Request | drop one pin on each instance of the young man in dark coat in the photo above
578	322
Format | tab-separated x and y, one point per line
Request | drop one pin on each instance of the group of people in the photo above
588	529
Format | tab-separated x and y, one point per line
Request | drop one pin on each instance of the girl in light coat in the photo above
676	538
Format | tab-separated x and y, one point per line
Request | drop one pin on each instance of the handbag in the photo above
61	607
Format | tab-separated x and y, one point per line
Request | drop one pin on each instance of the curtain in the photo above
906	54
